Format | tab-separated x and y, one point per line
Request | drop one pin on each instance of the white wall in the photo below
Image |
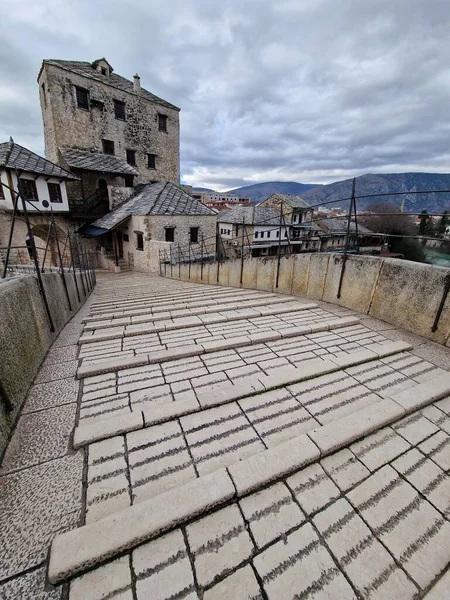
42	191
272	230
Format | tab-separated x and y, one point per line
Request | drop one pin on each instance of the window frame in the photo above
55	186
131	154
104	142
78	91
31	182
166	230
162	122
151	166
118	104
139	241
197	231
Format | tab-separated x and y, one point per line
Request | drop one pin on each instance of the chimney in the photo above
137	83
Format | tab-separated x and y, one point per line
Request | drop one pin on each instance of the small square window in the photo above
54	192
119	110
108	147
170	234
256	234
139	241
28	189
162	122
82	98
268	234
278	234
151	161
125	237
131	157
193	235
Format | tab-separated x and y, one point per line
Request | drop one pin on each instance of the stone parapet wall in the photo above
25	336
404	293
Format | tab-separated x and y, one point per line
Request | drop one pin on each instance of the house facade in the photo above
108	130
160	222
42	184
299	214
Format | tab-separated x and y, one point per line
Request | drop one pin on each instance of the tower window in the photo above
108	147
119	110
54	192
139	241
193	235
151	161
82	98
162	122
131	157
170	234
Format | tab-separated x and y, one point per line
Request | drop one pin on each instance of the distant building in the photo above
158	218
219	202
335	231
107	130
43	185
299	214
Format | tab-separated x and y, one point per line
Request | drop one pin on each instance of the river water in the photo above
437	258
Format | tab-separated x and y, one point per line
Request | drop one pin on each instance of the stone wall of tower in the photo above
67	126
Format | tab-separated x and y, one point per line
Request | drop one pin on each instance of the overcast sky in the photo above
294	90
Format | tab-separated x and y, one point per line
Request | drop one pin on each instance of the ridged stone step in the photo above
86	547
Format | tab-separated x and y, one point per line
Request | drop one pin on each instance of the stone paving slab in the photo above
39	437
38	503
51	394
31	585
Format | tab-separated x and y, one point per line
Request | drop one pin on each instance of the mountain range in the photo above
369	184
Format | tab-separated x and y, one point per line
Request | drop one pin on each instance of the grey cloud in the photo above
310	90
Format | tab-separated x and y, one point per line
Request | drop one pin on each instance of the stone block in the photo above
358	284
219	543
418	293
174	580
271	513
265	274
313	488
424	393
379	448
317	275
301	563
87	370
101	428
335	435
437	447
284	276
165	411
240	585
108	580
262	468
93	544
249	275
300	273
344	469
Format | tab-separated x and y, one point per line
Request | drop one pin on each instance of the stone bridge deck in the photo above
193	441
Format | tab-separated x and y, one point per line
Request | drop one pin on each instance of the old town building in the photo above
109	131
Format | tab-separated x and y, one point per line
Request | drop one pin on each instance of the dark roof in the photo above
91	161
340	226
14	156
292	200
253	215
161	198
86	69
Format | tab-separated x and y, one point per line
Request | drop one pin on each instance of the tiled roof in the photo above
340	226
14	156
161	198
253	215
90	161
292	200
86	69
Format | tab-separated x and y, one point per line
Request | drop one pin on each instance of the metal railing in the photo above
70	254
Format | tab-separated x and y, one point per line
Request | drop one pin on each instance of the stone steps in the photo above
91	545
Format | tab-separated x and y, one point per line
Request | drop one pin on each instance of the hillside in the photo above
260	191
392	182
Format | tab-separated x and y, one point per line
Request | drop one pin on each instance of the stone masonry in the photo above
68	126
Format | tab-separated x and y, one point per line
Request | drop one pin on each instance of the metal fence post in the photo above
11	232
347	236
73	267
63	277
242	251
201	264
35	258
279	248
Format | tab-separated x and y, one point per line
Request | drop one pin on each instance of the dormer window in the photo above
104	71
